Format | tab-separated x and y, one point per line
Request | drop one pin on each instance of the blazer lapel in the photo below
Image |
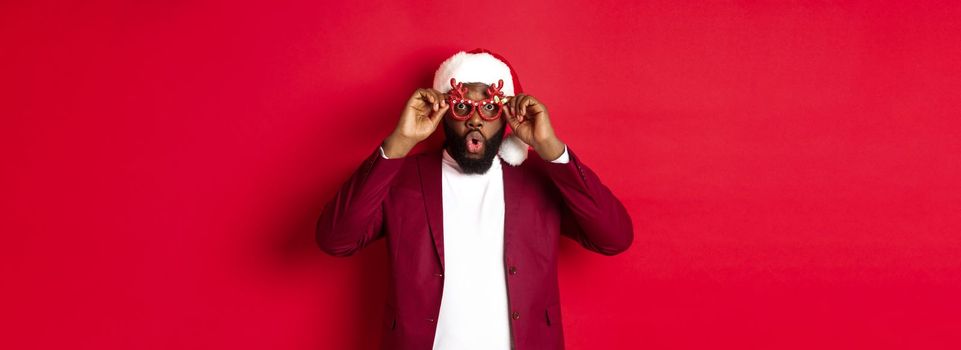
510	174
429	167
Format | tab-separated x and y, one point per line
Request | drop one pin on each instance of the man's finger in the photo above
425	97
523	105
436	117
511	118
432	99
533	105
515	111
417	96
438	98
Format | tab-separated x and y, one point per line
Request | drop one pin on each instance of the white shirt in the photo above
474	313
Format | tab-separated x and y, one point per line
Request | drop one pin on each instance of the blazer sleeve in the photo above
354	217
591	214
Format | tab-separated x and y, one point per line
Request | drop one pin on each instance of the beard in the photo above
457	147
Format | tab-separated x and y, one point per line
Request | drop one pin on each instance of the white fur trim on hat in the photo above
513	150
473	68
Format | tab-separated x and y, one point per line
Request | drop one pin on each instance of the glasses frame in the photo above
457	95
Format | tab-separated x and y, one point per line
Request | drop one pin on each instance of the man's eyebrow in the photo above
481	89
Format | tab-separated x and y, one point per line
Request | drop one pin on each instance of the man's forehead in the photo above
476	90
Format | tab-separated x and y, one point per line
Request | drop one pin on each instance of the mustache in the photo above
473	130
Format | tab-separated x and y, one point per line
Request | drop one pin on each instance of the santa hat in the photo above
483	66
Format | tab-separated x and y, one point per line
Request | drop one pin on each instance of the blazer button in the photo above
431	320
513	270
515	315
439	274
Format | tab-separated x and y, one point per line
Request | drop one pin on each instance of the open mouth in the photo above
475	142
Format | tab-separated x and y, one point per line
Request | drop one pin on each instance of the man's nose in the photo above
475	120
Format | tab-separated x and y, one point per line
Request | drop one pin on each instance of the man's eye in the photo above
489	106
461	105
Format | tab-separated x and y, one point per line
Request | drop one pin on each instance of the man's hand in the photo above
424	111
529	119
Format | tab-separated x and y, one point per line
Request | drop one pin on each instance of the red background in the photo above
791	168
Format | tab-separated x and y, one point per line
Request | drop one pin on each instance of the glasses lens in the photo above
490	109
461	109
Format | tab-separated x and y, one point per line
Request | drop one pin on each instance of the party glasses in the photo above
462	108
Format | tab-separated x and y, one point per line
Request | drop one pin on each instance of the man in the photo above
473	229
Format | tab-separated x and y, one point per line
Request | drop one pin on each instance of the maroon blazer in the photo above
400	199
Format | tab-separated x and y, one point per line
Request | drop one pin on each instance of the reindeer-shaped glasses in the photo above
462	107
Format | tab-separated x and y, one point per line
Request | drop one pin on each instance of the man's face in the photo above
474	142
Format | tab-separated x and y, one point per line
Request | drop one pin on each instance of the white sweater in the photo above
473	312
